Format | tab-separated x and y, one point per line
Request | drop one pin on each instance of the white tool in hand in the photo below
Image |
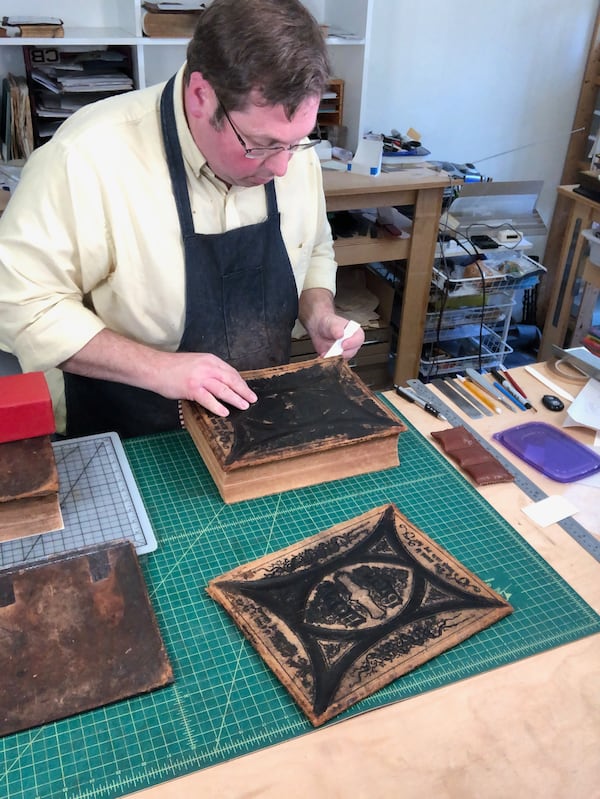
336	347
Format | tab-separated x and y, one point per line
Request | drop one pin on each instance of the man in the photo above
166	239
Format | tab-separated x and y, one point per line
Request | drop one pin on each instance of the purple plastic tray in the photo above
550	451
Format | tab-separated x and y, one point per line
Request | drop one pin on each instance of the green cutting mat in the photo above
225	701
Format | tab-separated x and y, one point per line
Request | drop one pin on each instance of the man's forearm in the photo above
313	305
324	326
110	356
198	376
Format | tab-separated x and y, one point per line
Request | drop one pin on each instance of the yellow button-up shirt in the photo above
91	237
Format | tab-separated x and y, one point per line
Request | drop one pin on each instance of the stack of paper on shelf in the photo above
83	72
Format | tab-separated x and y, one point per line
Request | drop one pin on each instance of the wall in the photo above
479	78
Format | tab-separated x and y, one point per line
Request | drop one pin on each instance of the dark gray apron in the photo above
241	304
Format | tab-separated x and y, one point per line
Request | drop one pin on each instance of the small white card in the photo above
550	510
336	347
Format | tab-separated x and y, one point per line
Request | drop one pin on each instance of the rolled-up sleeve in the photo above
43	245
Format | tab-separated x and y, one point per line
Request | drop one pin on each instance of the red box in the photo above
25	407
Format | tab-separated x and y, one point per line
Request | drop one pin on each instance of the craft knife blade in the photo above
457	398
577	531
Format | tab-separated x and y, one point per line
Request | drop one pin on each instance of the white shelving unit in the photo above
97	23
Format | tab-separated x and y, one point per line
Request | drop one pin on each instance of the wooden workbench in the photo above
423	189
530	729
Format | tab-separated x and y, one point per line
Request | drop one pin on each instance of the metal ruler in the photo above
589	542
99	501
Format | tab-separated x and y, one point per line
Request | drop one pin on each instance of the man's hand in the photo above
324	326
207	380
201	377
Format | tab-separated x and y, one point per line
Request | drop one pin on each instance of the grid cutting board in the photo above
99	501
225	702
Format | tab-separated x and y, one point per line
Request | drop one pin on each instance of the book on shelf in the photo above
34	27
172	25
169	6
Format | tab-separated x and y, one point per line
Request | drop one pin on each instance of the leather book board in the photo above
314	421
76	632
343	613
29	502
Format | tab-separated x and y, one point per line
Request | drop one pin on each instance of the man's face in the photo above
257	125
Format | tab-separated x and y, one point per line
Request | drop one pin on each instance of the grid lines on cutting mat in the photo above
225	701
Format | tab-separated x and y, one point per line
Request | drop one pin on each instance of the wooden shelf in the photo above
362	249
331	110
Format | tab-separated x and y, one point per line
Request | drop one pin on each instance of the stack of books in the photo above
174	19
33	27
591	340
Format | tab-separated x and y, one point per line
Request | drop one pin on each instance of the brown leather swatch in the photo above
462	447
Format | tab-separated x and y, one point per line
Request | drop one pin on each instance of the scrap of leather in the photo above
76	632
463	448
29	502
343	613
27	468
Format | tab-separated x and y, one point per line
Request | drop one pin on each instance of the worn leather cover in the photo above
303	407
313	422
27	469
342	614
76	632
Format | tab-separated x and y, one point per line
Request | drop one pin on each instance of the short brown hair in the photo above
272	46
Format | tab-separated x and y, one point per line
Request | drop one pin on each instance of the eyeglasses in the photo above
267	152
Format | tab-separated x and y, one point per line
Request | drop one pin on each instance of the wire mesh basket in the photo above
444	318
499	271
472	350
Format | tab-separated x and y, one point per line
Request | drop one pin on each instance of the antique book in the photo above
176	24
343	613
29	501
78	631
32	27
42	31
314	421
